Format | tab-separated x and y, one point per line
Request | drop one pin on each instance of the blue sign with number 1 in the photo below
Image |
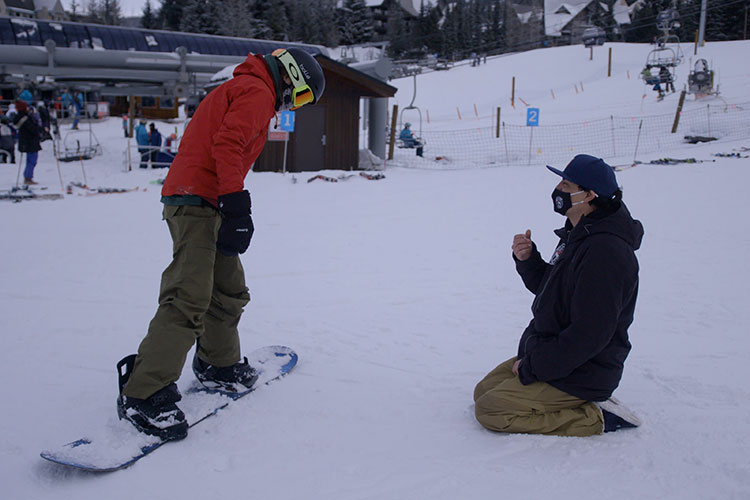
532	117
287	121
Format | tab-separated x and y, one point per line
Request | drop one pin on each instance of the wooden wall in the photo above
341	102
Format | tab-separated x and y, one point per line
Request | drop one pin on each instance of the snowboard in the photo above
120	445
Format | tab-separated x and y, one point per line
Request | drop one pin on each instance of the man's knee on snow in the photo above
493	413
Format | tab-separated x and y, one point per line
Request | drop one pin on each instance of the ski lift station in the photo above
158	68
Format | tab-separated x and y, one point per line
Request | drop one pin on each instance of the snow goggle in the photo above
301	92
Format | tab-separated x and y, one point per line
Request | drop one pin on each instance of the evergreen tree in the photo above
93	12
74	11
450	36
170	14
236	19
396	32
356	23
148	18
200	16
428	28
110	12
303	25
276	19
642	23
325	16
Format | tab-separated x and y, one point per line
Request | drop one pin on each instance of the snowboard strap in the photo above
128	362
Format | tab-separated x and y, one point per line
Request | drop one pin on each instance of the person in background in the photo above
29	134
141	137
409	140
45	119
7	142
66	104
665	77
208	212
571	356
125	125
78	106
154	140
26	95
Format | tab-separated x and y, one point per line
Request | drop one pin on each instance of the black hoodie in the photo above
585	299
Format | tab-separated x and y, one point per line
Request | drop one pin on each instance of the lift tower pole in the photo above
702	28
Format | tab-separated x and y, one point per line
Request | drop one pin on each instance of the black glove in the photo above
236	224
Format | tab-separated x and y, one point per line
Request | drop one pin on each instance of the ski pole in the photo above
57	160
18	175
85	182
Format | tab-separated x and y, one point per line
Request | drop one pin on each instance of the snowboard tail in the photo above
120	445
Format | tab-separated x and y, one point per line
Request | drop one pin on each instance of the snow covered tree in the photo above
396	32
236	19
325	16
276	19
355	22
427	29
200	16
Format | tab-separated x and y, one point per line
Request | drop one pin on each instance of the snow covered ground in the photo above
399	295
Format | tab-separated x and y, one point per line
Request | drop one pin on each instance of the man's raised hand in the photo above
522	245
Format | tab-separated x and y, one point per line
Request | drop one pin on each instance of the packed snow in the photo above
399	295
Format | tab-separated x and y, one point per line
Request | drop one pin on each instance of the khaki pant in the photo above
503	404
201	299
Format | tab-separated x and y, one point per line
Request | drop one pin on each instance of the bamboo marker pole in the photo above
392	142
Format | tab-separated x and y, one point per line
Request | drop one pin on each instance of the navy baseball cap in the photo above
590	173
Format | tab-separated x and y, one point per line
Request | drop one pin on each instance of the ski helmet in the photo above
308	81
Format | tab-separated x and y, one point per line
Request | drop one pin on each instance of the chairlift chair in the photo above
667	20
411	106
593	36
72	149
662	56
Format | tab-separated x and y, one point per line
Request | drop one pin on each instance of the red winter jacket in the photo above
225	136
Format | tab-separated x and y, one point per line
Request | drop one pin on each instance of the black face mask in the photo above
561	201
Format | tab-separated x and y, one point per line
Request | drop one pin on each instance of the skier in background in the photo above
208	213
571	355
29	135
141	137
154	141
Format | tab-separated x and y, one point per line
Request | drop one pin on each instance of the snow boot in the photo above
237	378
617	416
157	415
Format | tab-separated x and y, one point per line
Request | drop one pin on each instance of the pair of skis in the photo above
344	177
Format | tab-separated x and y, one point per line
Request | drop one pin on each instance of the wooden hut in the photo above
326	135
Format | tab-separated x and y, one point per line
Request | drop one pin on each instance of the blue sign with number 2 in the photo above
532	117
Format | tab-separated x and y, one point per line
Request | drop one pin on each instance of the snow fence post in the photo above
394	117
679	112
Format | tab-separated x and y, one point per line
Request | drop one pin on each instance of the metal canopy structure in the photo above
121	61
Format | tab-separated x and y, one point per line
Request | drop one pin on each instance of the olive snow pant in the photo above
201	299
503	403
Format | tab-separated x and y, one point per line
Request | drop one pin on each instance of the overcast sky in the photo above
128	7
